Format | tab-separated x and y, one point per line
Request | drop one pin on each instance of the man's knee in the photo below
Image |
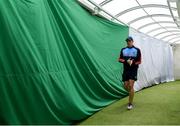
126	85
131	85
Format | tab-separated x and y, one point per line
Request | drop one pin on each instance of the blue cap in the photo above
129	39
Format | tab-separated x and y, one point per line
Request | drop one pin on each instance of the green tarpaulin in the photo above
58	63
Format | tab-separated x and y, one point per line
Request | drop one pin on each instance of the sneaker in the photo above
130	106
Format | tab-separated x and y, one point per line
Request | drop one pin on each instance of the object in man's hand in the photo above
129	61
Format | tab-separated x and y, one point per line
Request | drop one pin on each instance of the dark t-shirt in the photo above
132	53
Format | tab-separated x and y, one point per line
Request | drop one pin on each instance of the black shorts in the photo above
130	74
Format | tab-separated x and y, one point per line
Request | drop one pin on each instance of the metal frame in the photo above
175	41
164	37
159	28
170	9
105	2
143	26
171	31
172	38
99	7
148	16
143	6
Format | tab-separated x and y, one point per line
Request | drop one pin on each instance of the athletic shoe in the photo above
130	106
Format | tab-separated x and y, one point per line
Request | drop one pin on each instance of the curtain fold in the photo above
58	63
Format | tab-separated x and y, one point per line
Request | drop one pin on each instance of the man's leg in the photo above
131	91
126	85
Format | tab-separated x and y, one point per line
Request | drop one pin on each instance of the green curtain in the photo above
58	63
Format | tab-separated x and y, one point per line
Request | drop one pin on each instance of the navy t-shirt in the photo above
132	53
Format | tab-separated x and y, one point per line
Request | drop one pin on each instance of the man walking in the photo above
130	56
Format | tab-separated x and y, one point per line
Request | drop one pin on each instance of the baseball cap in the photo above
129	38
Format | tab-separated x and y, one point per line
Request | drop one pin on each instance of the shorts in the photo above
130	74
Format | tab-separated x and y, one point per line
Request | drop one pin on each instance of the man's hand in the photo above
129	61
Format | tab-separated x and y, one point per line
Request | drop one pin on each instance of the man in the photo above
130	56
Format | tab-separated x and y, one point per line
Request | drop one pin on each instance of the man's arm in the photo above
138	61
121	59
